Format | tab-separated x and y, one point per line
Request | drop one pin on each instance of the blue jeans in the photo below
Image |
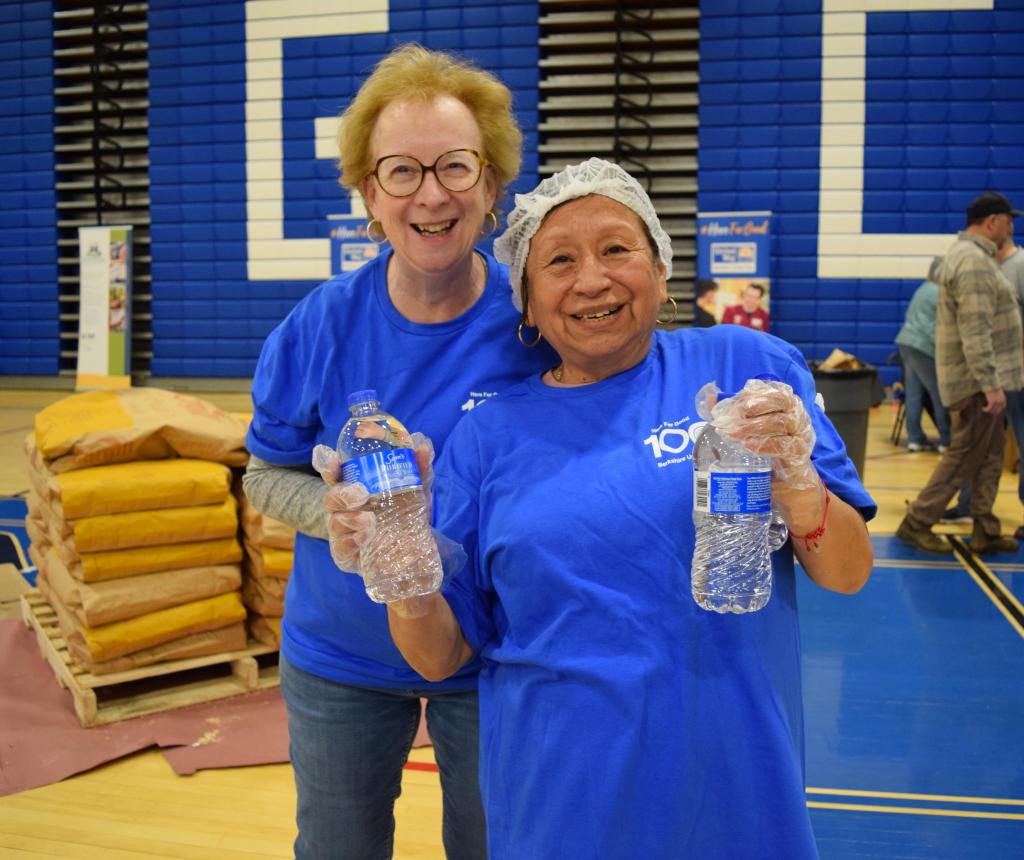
919	376
348	746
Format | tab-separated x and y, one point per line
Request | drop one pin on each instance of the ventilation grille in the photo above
619	81
101	152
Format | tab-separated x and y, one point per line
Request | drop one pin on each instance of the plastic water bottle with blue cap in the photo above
731	569
401	559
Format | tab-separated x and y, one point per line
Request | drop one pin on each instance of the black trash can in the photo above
849	396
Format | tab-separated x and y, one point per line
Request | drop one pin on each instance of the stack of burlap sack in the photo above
269	549
134	526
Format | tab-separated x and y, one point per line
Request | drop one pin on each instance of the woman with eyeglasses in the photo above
431	143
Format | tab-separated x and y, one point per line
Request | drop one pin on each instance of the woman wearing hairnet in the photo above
431	142
618	719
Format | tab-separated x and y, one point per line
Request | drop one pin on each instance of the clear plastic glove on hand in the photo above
349	527
767	418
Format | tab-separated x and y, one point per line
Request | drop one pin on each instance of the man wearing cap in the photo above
978	356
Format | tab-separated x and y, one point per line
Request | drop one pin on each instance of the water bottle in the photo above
401	559
732	511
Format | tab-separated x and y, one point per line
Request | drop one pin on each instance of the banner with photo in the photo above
351	247
733	268
105	307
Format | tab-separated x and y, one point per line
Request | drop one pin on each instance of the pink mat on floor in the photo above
42	742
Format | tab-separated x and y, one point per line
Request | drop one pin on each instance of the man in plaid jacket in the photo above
978	357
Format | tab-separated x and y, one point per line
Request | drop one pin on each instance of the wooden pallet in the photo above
101	699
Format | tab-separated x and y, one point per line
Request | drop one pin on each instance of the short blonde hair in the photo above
412	73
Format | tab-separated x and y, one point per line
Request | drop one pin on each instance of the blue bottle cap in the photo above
362	396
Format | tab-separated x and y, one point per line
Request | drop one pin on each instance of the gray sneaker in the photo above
952	515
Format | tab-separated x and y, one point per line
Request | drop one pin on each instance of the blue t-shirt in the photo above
617	718
344	336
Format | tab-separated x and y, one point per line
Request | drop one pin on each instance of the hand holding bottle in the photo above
351	510
767	418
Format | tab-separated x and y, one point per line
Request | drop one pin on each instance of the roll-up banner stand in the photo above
105	307
350	246
734	251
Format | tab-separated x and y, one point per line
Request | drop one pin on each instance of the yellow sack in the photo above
95	566
141	485
99	427
154	528
135	634
267	561
223	640
219	641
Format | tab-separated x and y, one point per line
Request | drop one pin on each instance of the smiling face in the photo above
433	230
593	287
751	299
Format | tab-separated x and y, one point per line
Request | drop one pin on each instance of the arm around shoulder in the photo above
292	494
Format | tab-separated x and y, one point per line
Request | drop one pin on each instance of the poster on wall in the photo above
350	246
733	269
104	315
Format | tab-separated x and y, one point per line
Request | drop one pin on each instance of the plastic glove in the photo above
767	418
349	527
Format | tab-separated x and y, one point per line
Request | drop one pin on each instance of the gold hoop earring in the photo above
372	224
493	225
671	319
533	343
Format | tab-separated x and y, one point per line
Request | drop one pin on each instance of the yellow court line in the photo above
998	583
998	605
1002	589
901	795
915	810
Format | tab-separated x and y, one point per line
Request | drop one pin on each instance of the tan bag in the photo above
265	600
99	427
95	604
266	630
261	530
141	485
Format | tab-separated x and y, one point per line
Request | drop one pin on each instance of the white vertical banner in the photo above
104	307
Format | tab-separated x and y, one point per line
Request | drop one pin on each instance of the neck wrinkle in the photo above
440	298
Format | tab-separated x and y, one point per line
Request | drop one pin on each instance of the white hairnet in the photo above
593	176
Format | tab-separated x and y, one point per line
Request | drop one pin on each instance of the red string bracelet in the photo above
811	539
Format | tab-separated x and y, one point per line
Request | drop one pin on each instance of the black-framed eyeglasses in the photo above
402	175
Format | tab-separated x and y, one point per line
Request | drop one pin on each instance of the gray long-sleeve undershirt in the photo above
292	494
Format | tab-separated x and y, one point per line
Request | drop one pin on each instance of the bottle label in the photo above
383	470
732	492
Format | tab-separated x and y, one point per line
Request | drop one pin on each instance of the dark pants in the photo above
975	454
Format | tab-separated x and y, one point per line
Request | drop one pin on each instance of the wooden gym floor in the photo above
913	698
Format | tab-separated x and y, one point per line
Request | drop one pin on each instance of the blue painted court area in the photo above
13	537
914	708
